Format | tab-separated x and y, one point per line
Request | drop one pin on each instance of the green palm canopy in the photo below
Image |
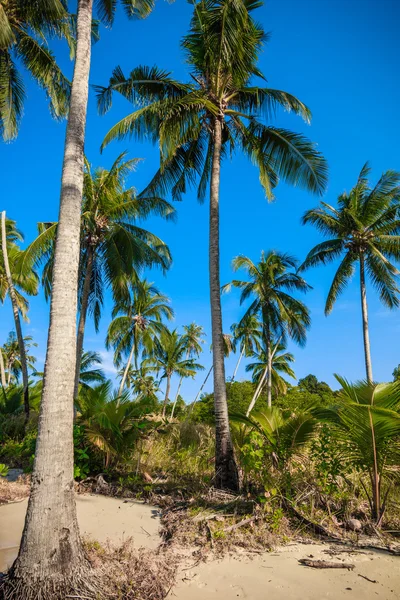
363	229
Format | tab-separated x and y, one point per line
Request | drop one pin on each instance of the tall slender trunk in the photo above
50	562
226	473
128	364
237	365
375	477
17	320
167	390
201	387
82	317
2	371
176	397
262	380
269	367
364	310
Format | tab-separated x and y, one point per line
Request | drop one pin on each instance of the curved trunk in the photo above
201	388
17	320
176	397
256	394
2	371
51	562
237	365
226	473
364	310
167	390
82	318
125	375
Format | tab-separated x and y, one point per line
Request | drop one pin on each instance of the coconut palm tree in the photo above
363	229
24	30
10	278
90	372
113	247
247	334
13	362
136	323
198	124
280	364
281	314
168	357
51	555
193	338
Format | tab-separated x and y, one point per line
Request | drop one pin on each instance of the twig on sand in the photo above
367	578
241	523
324	564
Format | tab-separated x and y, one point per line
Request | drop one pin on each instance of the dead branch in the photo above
324	564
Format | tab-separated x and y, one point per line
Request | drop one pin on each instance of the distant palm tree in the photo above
24	29
168	358
248	335
12	357
280	364
10	279
269	287
364	229
88	374
198	124
136	324
193	338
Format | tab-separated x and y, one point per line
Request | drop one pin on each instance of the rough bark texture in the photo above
17	320
82	319
364	310
226	473
164	408
50	562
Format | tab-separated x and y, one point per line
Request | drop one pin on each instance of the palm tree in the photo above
13	360
193	338
168	357
366	423
136	323
113	247
363	229
280	363
51	555
25	27
198	124
29	283
89	371
281	314
248	334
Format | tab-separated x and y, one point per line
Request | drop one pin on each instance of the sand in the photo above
100	518
273	576
279	576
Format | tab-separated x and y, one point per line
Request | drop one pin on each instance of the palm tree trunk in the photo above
269	367
82	317
51	562
201	388
226	473
167	390
258	391
237	365
17	320
125	375
176	397
2	371
364	309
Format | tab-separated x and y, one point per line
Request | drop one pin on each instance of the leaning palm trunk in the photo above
167	390
2	371
263	377
226	473
82	318
201	387
176	397
269	370
237	364
50	563
364	309
17	320
126	371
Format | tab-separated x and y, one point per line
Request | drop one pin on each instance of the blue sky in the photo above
341	59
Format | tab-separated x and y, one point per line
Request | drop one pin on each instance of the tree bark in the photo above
258	391
364	310
2	371
226	473
269	367
51	562
167	390
125	375
237	364
17	320
82	318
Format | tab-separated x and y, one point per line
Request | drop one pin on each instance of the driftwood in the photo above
316	527
324	564
241	523
367	578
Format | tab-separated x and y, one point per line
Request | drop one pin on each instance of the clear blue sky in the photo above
340	58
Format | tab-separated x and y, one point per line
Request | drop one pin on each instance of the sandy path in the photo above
100	518
279	576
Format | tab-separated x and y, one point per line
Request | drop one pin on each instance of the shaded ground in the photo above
100	518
